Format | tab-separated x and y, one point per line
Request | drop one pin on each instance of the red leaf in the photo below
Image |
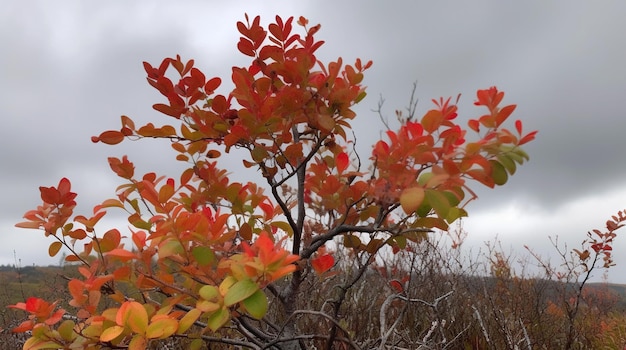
164	65
188	66
152	73
219	103
529	137
397	286
268	209
322	263
50	195
198	77
518	126
342	162
178	65
211	85
245	47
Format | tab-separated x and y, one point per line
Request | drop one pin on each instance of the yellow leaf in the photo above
162	328
111	333
187	321
138	342
133	315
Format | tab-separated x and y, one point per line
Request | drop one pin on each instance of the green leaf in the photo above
423	179
431	222
259	154
256	304
360	97
196	344
240	291
455	213
521	153
283	226
208	292
507	163
453	198
438	202
498	173
373	245
203	255
36	344
400	241
169	248
66	330
415	236
218	319
351	241
424	209
515	153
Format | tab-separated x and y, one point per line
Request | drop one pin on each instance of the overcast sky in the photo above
69	69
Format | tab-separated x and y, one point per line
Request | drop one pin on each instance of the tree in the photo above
213	260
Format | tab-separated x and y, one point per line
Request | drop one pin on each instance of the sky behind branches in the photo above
69	70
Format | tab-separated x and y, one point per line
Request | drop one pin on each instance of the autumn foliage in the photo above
204	257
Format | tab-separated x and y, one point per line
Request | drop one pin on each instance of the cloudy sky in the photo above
69	69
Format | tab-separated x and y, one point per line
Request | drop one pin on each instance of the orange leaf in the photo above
167	110
111	137
504	113
474	125
109	241
432	120
122	254
25	327
411	199
123	168
54	248
29	224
